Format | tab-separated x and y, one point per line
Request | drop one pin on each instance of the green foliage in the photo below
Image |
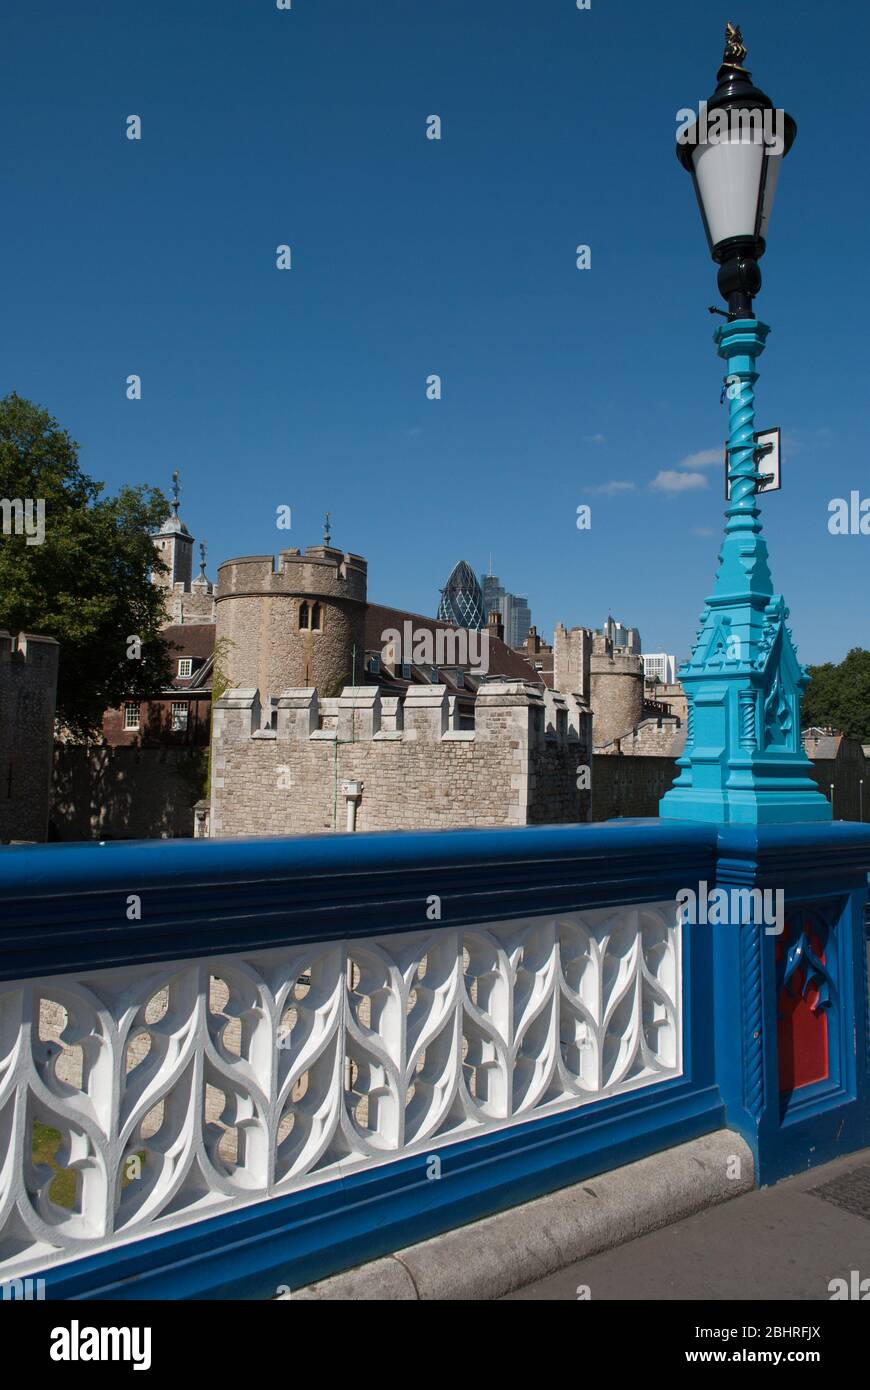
839	696
87	585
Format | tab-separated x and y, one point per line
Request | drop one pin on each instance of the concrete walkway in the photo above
783	1242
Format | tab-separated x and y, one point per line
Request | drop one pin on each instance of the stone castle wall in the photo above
658	735
629	786
518	766
28	690
193	605
125	793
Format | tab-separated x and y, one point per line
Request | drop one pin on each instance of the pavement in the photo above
782	1242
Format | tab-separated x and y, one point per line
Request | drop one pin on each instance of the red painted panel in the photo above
802	1034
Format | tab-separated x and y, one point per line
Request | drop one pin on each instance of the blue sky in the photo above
307	388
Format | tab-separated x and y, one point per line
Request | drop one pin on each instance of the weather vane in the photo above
202	558
176	491
326	536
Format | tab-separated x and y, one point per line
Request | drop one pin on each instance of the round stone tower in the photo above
298	625
616	690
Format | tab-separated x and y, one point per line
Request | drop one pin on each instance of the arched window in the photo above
315	616
303	615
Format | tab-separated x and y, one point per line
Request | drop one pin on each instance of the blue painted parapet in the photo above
792	1039
255	1063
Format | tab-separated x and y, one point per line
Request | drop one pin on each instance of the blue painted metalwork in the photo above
61	909
821	871
801	956
64	907
744	760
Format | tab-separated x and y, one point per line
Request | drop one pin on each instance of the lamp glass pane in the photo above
774	163
729	175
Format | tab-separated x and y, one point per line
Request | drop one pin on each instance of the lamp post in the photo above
743	760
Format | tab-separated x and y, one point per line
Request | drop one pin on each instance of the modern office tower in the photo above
521	620
621	636
516	615
660	665
461	600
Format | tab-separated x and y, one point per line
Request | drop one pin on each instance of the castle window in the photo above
374	664
315	616
185	665
179	716
131	716
303	615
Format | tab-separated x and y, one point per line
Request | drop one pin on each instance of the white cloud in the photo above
611	488
703	531
594	439
669	480
703	459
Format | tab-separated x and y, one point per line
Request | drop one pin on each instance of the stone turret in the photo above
186	600
572	650
300	624
616	690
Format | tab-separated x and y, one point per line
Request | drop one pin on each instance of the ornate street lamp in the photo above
734	151
744	760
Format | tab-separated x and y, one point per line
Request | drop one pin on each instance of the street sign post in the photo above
768	462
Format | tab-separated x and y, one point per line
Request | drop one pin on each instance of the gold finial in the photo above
735	49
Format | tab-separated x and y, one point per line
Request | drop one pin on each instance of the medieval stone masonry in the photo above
400	762
28	685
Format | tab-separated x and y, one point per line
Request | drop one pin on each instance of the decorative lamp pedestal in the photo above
744	761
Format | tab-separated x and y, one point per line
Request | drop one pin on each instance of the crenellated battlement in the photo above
319	572
425	712
27	649
278	768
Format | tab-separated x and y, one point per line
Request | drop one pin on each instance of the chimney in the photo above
495	625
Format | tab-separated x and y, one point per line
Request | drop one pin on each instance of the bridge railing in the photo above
227	1066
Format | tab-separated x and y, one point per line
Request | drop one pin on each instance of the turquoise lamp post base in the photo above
744	762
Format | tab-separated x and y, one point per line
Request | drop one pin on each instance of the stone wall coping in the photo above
359	697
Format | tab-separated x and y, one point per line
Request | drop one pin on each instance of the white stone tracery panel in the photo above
237	1078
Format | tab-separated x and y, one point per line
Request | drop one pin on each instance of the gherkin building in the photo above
462	599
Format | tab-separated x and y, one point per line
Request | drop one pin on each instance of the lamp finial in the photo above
735	48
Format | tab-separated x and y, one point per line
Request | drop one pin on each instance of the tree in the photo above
86	582
839	696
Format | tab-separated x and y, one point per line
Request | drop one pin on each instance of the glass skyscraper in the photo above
462	599
514	610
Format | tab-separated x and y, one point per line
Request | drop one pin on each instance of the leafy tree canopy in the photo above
839	696
87	582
